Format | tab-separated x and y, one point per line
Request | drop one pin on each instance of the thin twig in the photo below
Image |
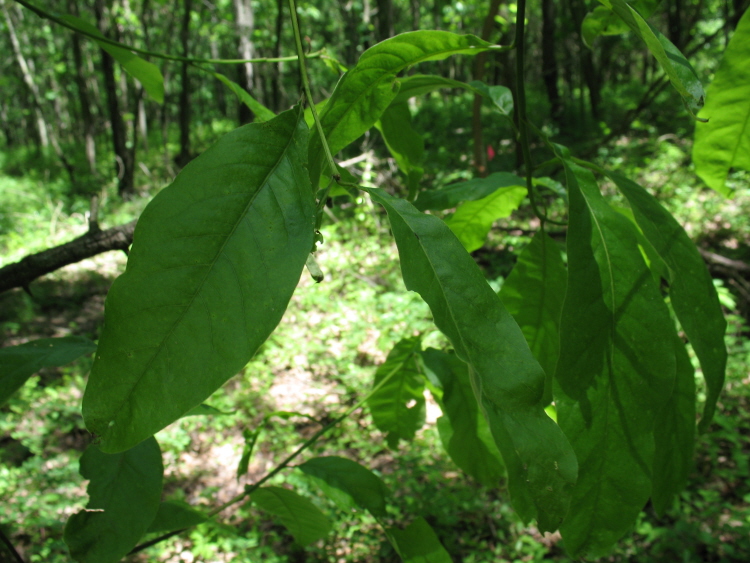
10	547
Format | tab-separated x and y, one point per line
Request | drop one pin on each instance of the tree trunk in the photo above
184	157
588	69
549	60
87	119
124	165
480	62
385	19
28	78
245	26
277	90
675	17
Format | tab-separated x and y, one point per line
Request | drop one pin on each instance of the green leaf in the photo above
473	220
124	492
603	21
508	380
398	407
471	190
421	84
691	289
616	368
175	515
300	516
500	96
143	71
674	63
403	142
18	363
365	91
674	435
261	112
723	144
534	293
417	543
205	410
215	259
362	487
251	438
463	430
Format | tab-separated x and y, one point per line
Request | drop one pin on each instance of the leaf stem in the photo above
306	86
6	540
249	489
101	39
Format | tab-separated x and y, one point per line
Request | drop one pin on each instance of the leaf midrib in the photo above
189	306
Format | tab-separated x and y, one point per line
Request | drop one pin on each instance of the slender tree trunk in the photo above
588	68
245	26
124	164
385	19
10	136
549	59
351	34
87	119
415	13
28	78
480	63
675	21
184	157
277	90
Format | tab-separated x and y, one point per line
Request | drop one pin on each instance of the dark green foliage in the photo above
193	305
18	363
124	492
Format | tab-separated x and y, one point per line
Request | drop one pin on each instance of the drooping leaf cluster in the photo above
572	385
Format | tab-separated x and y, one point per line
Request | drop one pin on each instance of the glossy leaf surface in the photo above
509	381
675	65
418	543
215	259
398	407
616	368
534	293
301	517
145	72
463	429
348	483
18	363
124	492
691	290
723	144
603	21
403	142
471	190
473	220
366	90
175	515
261	112
674	435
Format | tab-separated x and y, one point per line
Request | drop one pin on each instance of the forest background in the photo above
84	147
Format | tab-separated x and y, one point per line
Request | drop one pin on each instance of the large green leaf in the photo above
691	290
366	90
672	61
175	515
473	220
418	543
398	407
348	483
145	72
403	142
674	435
463	429
616	368
215	259
471	190
262	113
603	21
723	144
508	380
124	491
18	363
301	517
421	84
534	293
